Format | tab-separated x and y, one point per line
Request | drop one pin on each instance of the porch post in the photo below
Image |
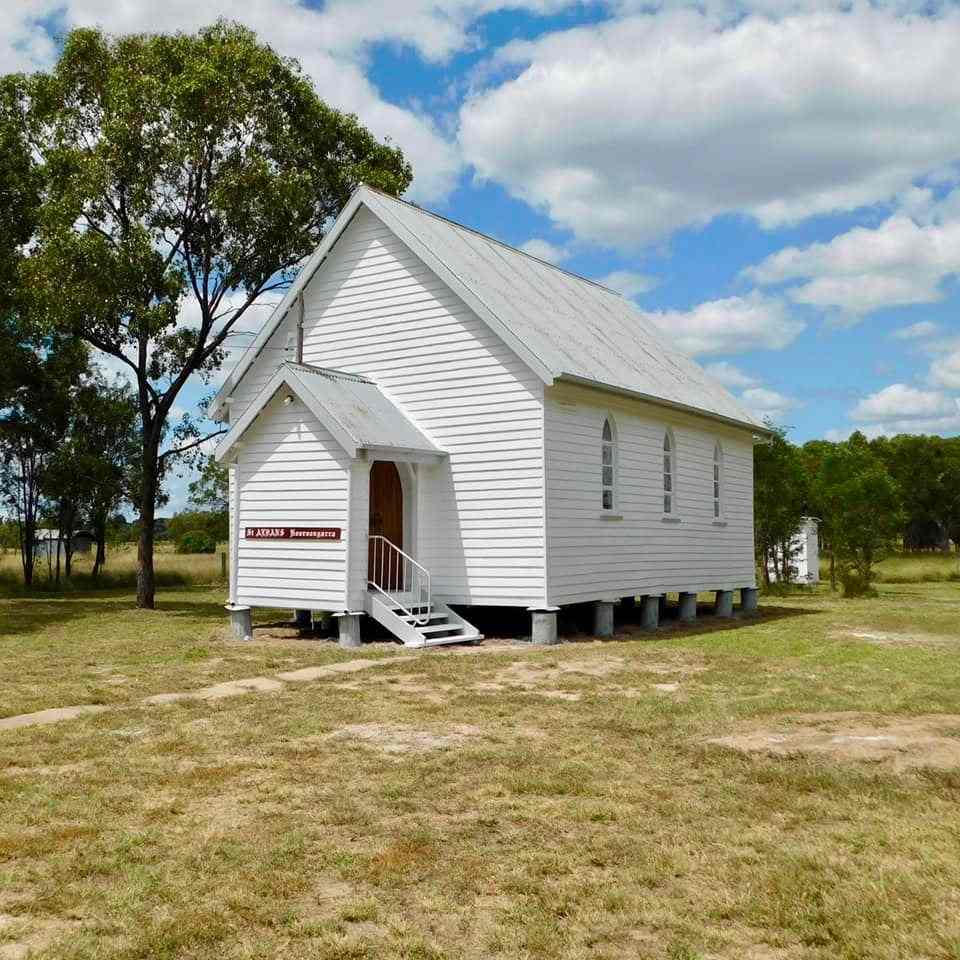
241	622
348	627
688	606
543	625
650	612
603	618
724	605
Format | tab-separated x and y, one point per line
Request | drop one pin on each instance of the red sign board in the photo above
292	533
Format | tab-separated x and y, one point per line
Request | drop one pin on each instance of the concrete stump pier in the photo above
688	607
748	600
241	621
543	626
724	604
303	619
603	618
650	613
348	629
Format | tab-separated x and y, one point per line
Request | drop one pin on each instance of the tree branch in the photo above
176	451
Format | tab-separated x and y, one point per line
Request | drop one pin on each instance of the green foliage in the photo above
862	513
213	523
779	498
927	471
196	541
211	489
186	165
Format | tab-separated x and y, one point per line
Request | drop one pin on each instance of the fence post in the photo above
223	565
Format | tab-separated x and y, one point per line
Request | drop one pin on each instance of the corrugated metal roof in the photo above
561	325
576	328
362	411
352	408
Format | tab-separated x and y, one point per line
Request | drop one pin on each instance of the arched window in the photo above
608	462
669	471
717	470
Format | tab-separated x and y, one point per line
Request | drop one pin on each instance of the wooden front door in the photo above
386	520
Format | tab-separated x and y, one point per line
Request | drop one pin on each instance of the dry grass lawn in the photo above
494	802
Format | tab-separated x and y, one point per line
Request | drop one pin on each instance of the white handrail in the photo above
391	570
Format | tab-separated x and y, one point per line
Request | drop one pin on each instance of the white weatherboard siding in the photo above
591	555
278	348
292	474
375	309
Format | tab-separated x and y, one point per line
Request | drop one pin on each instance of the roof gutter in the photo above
670	404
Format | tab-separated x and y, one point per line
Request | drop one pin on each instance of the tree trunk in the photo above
59	548
100	529
28	549
146	580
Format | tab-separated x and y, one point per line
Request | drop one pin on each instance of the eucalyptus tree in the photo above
779	498
861	510
184	177
19	195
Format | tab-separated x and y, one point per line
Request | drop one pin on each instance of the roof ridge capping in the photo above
329	372
486	236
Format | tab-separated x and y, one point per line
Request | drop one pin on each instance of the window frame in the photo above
718	480
668	448
612	444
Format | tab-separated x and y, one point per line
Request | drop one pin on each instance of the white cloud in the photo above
767	404
628	130
902	402
730	375
945	369
897	263
733	325
544	250
916	331
628	282
330	43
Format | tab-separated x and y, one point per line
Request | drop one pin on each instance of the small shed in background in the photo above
49	545
804	559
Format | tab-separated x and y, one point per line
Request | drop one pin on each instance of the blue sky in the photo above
776	183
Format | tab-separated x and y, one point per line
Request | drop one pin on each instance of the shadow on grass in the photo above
576	622
22	612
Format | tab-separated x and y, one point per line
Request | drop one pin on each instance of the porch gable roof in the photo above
354	409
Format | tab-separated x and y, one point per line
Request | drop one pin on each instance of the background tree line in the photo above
870	497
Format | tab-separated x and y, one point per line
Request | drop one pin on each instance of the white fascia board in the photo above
285	377
282	308
671	404
404	454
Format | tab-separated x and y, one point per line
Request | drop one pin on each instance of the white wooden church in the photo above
432	418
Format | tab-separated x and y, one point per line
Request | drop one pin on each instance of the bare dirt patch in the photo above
886	639
899	742
54	715
32	934
400	739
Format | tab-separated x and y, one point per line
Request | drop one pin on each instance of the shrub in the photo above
196	541
855	584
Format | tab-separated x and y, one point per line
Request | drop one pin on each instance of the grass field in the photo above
918	568
501	801
172	569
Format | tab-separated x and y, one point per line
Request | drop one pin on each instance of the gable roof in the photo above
352	408
564	327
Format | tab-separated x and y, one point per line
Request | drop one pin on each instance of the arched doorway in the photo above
386	519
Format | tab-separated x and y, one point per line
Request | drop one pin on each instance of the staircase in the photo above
399	597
